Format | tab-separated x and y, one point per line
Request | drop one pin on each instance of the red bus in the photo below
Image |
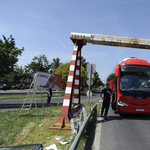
130	82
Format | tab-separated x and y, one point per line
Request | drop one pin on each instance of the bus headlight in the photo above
120	103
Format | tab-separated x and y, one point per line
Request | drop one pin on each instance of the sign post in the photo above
90	70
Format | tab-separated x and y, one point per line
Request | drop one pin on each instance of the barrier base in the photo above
59	129
62	124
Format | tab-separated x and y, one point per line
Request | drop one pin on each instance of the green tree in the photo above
96	80
15	76
63	70
84	78
83	62
38	63
8	55
18	74
55	63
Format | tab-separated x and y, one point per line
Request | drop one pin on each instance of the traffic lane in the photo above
84	98
125	132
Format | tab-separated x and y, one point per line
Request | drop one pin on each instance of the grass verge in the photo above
12	97
19	130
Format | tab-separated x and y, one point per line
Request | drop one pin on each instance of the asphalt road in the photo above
84	98
127	132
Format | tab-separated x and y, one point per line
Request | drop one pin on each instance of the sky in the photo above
44	27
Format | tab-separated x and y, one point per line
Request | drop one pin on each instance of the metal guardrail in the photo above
82	129
25	93
28	146
11	106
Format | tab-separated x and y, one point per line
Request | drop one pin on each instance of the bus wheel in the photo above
113	105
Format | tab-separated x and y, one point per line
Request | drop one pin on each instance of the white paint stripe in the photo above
78	54
76	82
68	90
75	48
72	67
66	102
76	100
70	78
76	91
77	72
73	57
78	62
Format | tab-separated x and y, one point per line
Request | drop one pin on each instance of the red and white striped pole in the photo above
77	80
73	80
70	83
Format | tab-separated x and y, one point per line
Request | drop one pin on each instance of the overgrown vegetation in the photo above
18	130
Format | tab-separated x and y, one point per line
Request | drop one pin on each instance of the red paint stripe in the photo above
77	77
74	52
71	73
67	96
69	84
73	62
76	96
75	104
77	67
65	110
76	86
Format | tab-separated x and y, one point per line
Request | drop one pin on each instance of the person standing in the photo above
49	94
106	100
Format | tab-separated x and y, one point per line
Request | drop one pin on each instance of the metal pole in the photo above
89	84
42	102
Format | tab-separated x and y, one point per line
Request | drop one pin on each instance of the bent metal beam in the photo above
112	40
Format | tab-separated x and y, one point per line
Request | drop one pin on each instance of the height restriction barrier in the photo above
74	78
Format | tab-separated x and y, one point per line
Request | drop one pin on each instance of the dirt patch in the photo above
25	131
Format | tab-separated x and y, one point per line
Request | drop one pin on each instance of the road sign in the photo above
92	75
89	94
89	83
91	68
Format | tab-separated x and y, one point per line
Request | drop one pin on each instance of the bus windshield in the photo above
135	79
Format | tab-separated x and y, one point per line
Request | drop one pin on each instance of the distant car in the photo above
5	86
28	86
19	86
1	86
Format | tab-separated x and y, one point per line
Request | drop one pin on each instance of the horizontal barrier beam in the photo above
112	40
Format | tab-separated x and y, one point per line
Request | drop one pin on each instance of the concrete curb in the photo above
97	139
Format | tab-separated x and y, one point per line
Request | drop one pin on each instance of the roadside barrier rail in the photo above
11	106
25	93
19	147
82	129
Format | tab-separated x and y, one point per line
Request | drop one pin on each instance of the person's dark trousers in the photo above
105	106
48	98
